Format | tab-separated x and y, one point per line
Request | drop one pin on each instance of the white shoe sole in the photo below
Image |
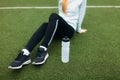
42	61
25	63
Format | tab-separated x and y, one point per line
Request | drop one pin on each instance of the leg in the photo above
64	29
36	38
42	54
56	26
51	29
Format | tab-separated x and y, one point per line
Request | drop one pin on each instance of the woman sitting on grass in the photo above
69	20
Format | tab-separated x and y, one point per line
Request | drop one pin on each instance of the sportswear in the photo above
75	13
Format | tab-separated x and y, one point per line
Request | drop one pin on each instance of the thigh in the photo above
64	29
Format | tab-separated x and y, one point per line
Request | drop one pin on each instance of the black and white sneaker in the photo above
20	60
41	57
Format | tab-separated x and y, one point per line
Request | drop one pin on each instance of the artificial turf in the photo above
94	55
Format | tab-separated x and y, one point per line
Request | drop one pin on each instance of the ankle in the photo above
25	52
43	48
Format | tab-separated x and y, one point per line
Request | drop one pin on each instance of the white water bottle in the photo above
65	49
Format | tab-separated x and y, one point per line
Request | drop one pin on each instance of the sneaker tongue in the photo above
40	51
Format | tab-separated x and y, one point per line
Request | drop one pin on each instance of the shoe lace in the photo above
41	52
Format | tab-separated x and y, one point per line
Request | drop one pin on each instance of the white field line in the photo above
103	6
29	7
53	7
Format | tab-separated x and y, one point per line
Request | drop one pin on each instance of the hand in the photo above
83	31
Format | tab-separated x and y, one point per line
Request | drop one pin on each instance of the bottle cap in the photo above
65	39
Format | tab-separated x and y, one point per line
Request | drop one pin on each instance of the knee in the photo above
53	16
45	24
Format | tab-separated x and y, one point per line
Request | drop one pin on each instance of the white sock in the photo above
26	52
43	48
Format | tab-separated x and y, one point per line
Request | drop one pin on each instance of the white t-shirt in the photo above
73	12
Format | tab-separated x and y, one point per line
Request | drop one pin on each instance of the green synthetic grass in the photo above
93	56
103	2
27	3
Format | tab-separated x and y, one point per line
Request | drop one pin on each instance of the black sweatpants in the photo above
56	27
